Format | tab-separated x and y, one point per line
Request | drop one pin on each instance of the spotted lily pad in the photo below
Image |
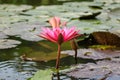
8	43
94	54
101	70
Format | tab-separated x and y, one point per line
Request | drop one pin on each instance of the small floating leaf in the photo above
43	75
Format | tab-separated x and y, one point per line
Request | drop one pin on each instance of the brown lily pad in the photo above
102	38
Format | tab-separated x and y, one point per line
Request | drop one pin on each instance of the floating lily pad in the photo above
79	7
25	31
8	43
110	7
107	1
5	13
114	13
52	8
93	54
77	4
31	36
89	70
88	26
115	31
43	75
15	8
101	70
2	35
104	16
97	5
34	12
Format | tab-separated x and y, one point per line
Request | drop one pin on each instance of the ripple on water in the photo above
17	70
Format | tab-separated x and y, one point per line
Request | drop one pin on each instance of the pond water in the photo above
38	2
21	23
13	68
11	65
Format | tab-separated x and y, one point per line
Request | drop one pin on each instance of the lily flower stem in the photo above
75	56
58	56
58	76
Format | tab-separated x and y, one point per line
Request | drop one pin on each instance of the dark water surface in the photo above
38	2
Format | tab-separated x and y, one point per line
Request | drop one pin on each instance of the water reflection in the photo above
59	76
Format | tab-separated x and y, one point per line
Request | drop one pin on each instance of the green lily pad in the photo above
8	43
42	75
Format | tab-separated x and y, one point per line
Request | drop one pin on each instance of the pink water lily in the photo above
58	35
56	22
53	34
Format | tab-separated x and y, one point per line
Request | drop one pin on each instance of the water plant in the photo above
58	34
